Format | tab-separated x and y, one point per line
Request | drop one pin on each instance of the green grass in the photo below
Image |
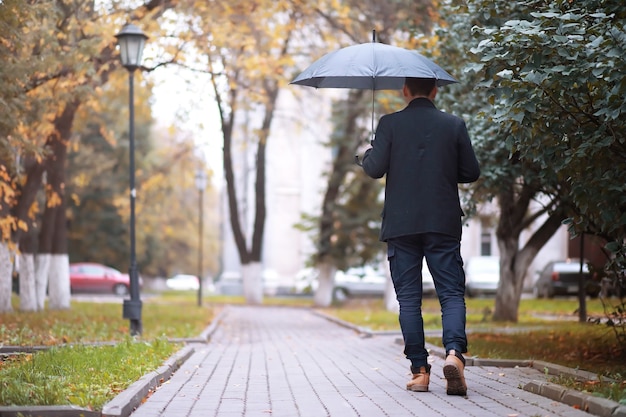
84	376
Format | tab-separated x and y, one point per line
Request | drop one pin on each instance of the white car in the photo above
183	282
482	275
273	283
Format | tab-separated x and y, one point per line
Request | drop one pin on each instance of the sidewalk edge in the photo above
129	399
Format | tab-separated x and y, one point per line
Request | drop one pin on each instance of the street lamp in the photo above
201	181
131	41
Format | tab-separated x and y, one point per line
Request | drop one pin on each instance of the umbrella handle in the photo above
372	130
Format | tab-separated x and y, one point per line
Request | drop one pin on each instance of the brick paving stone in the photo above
290	362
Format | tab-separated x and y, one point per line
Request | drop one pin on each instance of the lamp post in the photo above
200	185
131	41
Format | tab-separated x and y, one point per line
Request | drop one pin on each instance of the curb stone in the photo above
129	399
47	411
362	331
593	405
597	406
620	411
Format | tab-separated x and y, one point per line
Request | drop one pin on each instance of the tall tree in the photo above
532	61
559	91
24	60
62	56
346	231
246	48
522	199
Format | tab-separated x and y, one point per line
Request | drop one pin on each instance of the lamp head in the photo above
131	41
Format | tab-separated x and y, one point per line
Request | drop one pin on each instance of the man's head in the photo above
420	87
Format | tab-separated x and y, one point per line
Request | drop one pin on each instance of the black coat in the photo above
425	153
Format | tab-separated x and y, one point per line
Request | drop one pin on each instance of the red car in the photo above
93	277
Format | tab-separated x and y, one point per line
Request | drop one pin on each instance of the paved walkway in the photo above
288	362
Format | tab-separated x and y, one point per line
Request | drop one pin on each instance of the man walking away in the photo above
425	153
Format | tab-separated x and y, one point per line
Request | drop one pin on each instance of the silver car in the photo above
369	281
359	281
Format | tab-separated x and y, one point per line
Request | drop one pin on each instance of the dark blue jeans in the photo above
443	254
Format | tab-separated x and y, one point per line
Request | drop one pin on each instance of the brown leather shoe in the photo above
453	372
420	380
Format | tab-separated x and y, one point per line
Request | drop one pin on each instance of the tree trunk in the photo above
21	212
28	248
249	258
326	283
44	255
28	295
514	262
6	265
6	278
42	266
53	236
510	285
252	282
28	192
341	165
33	297
59	274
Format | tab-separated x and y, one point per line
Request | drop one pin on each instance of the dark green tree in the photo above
548	71
512	184
555	74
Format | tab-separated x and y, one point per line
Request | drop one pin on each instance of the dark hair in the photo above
420	86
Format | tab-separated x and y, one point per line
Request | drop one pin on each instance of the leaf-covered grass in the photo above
84	376
70	373
547	330
585	346
576	345
372	314
95	322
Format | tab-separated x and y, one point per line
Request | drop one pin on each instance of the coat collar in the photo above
421	102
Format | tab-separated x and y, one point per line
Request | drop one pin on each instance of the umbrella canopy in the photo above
371	66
